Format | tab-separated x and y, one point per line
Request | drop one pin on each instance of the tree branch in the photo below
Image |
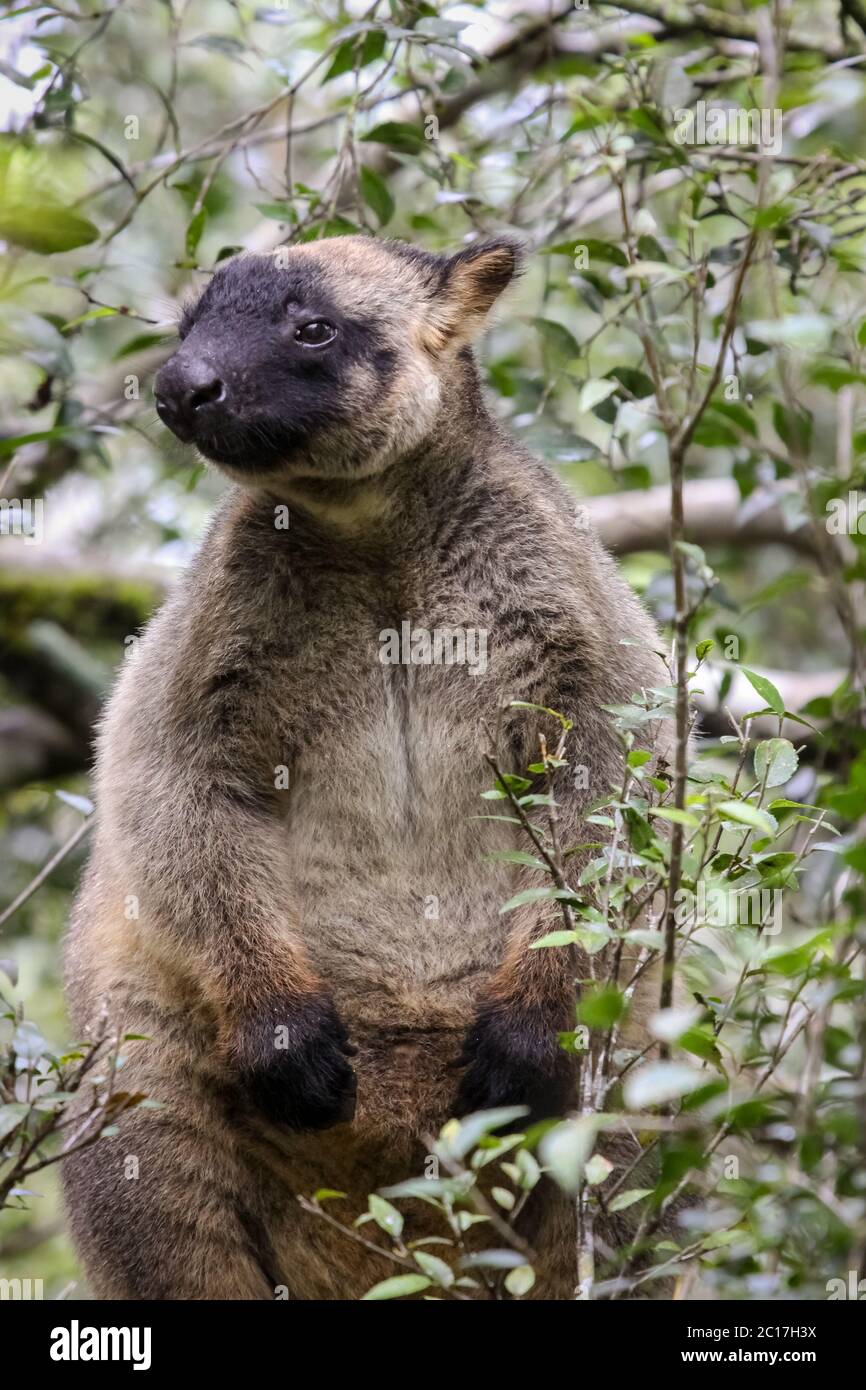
678	20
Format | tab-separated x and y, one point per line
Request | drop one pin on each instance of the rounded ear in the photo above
472	280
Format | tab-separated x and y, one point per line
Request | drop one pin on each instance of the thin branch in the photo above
46	871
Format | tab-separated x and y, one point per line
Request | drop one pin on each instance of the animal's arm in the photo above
512	1052
194	821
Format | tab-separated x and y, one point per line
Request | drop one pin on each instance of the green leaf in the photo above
139	343
557	338
45	228
835	375
794	428
11	1116
519	1281
654	270
278	212
656	1083
775	761
673	813
740	414
28	1043
373	46
855	856
808	332
634	382
436	1269
652	940
226	44
399	1287
747	814
765	689
534	895
715	434
343	61
492	1259
645	119
376	194
694	553
594	391
386	1216
628	1198
335	226
601	1007
529	1173
397	135
460	1136
595	250
516	856
565	1150
104	311
556	938
194	232
589	118
430	1190
797	961
701	1043
785	584
598	1170
509	781
765	219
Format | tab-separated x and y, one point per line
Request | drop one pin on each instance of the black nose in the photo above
188	393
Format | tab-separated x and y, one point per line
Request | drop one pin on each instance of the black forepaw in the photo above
514	1058
292	1065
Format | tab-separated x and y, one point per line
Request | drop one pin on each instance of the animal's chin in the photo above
244	451
257	453
241	460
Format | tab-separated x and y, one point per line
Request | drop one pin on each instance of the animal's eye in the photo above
316	333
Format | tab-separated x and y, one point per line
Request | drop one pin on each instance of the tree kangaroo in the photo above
289	893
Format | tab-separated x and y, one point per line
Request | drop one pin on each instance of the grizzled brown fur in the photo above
256	906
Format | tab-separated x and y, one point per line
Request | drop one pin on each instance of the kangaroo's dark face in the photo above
269	360
325	360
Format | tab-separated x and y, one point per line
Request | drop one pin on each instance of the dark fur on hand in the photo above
513	1057
292	1065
